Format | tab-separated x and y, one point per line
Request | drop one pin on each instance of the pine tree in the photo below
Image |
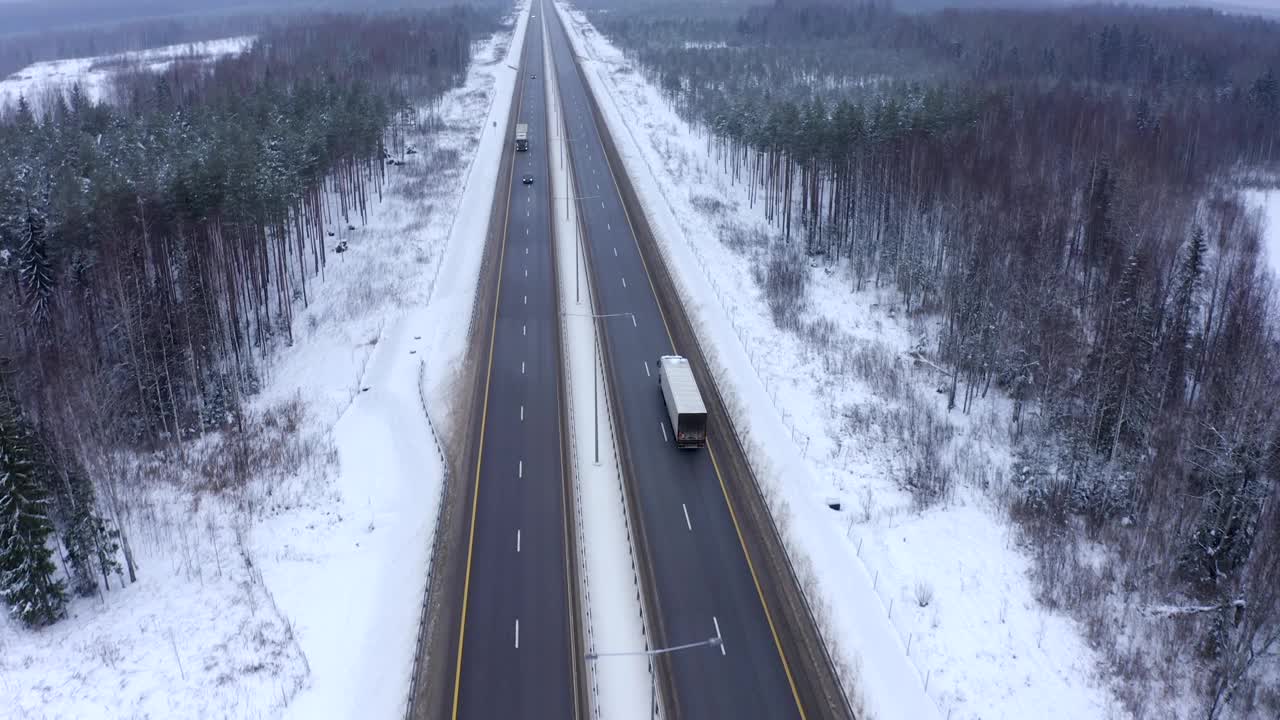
1184	303
27	582
34	268
90	541
1123	402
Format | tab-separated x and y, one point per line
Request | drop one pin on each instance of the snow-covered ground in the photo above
300	596
95	74
929	611
1268	204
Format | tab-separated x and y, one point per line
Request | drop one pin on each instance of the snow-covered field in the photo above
95	74
931	611
1268	203
300	596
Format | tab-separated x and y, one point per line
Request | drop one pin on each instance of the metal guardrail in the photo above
445	479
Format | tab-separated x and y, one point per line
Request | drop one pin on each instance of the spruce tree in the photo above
90	541
27	582
1184	305
34	268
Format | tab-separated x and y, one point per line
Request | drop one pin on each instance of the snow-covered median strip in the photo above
931	612
622	687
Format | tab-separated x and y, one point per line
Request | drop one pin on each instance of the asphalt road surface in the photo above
516	648
705	584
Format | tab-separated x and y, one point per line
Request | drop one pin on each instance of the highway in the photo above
517	655
703	582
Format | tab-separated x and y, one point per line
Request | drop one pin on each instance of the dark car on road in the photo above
527	179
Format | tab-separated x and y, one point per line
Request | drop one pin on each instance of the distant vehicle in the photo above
522	137
527	179
684	402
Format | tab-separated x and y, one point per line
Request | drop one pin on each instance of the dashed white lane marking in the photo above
526	231
609	225
646	369
624	282
688	524
521	367
526	272
526	299
615	252
521	413
718	635
520	469
524	329
633	320
518	633
517	540
602	205
663	426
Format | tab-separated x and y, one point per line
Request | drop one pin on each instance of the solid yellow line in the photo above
768	616
786	666
484	420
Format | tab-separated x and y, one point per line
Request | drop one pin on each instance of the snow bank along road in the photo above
709	554
517	653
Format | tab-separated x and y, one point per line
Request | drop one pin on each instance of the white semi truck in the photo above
684	402
522	137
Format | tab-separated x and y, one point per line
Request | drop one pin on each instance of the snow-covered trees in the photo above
154	252
27	582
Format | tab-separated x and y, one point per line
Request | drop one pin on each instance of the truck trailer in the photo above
684	402
522	137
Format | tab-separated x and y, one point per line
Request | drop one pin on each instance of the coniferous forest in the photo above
153	251
1060	189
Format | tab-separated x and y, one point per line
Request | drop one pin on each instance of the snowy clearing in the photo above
300	596
95	74
936	602
1268	203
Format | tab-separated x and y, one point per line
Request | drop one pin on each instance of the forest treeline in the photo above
1060	188
154	252
38	30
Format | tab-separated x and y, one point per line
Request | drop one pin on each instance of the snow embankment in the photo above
930	613
299	595
94	74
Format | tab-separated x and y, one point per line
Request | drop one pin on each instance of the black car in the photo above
527	179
